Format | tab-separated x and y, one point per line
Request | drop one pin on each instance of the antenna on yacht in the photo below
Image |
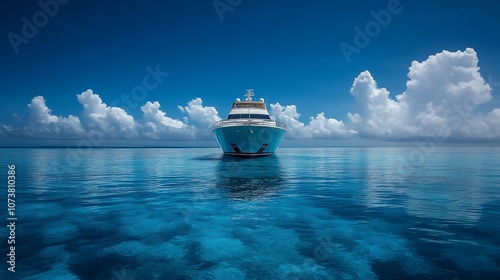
249	94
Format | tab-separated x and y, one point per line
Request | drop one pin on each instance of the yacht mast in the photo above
249	95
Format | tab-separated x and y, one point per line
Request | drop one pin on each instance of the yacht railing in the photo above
239	122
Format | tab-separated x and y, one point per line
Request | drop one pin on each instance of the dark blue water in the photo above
319	213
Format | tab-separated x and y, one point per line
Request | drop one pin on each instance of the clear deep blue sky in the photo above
285	50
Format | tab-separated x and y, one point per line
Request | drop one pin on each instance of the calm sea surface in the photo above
305	213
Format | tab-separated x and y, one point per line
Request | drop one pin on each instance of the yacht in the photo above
249	130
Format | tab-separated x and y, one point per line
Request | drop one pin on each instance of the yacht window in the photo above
259	116
246	116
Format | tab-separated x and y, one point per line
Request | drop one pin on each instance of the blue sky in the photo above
287	51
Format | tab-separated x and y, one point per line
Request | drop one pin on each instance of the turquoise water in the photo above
305	213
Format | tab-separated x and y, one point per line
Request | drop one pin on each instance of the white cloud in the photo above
44	124
203	116
441	100
157	125
493	119
39	112
288	115
381	116
112	122
318	127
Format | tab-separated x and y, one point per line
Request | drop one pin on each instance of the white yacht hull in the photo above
249	140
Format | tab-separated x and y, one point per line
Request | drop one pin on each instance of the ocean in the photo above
304	213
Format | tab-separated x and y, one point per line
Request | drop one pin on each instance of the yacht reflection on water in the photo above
249	179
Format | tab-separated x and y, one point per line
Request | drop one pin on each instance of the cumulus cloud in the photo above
113	122
109	122
441	100
44	124
157	125
203	116
199	113
381	116
318	127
